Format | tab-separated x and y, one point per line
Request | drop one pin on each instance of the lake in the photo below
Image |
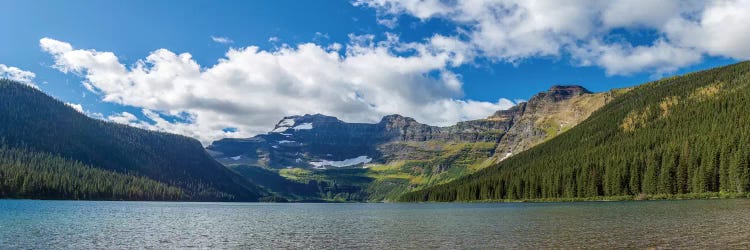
633	224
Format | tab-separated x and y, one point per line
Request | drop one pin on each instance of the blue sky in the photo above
495	63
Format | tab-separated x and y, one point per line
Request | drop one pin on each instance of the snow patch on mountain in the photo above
283	125
286	123
303	126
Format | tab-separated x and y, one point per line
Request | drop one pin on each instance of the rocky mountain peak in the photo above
398	122
558	93
567	91
555	94
396	118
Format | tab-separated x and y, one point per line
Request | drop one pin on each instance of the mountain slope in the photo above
35	122
548	114
399	153
679	135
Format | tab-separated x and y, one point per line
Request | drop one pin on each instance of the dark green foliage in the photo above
274	182
684	135
31	120
341	184
31	175
306	185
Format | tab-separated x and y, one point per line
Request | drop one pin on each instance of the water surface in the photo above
94	224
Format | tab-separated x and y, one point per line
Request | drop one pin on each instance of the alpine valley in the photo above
678	137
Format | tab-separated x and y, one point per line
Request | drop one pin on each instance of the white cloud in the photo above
97	115
504	30
645	13
723	29
251	89
123	118
514	30
623	59
422	9
390	22
76	106
100	66
17	74
221	39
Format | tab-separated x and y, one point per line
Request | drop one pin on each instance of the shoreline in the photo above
659	197
642	197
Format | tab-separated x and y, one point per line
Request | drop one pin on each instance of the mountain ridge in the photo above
397	127
440	153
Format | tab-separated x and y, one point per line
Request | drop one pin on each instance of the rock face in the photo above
306	141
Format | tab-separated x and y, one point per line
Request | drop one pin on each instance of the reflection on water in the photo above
87	224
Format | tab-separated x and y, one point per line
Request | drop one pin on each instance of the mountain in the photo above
682	136
320	141
49	150
398	152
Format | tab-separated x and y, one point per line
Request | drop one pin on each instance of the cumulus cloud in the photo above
641	13
222	40
250	89
514	30
721	30
16	74
623	59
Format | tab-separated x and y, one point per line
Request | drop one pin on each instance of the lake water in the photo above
93	224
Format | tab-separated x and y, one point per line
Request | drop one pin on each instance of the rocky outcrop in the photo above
304	141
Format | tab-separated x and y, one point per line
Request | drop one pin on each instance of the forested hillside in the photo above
31	175
55	138
680	135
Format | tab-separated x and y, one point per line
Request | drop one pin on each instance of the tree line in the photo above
33	175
